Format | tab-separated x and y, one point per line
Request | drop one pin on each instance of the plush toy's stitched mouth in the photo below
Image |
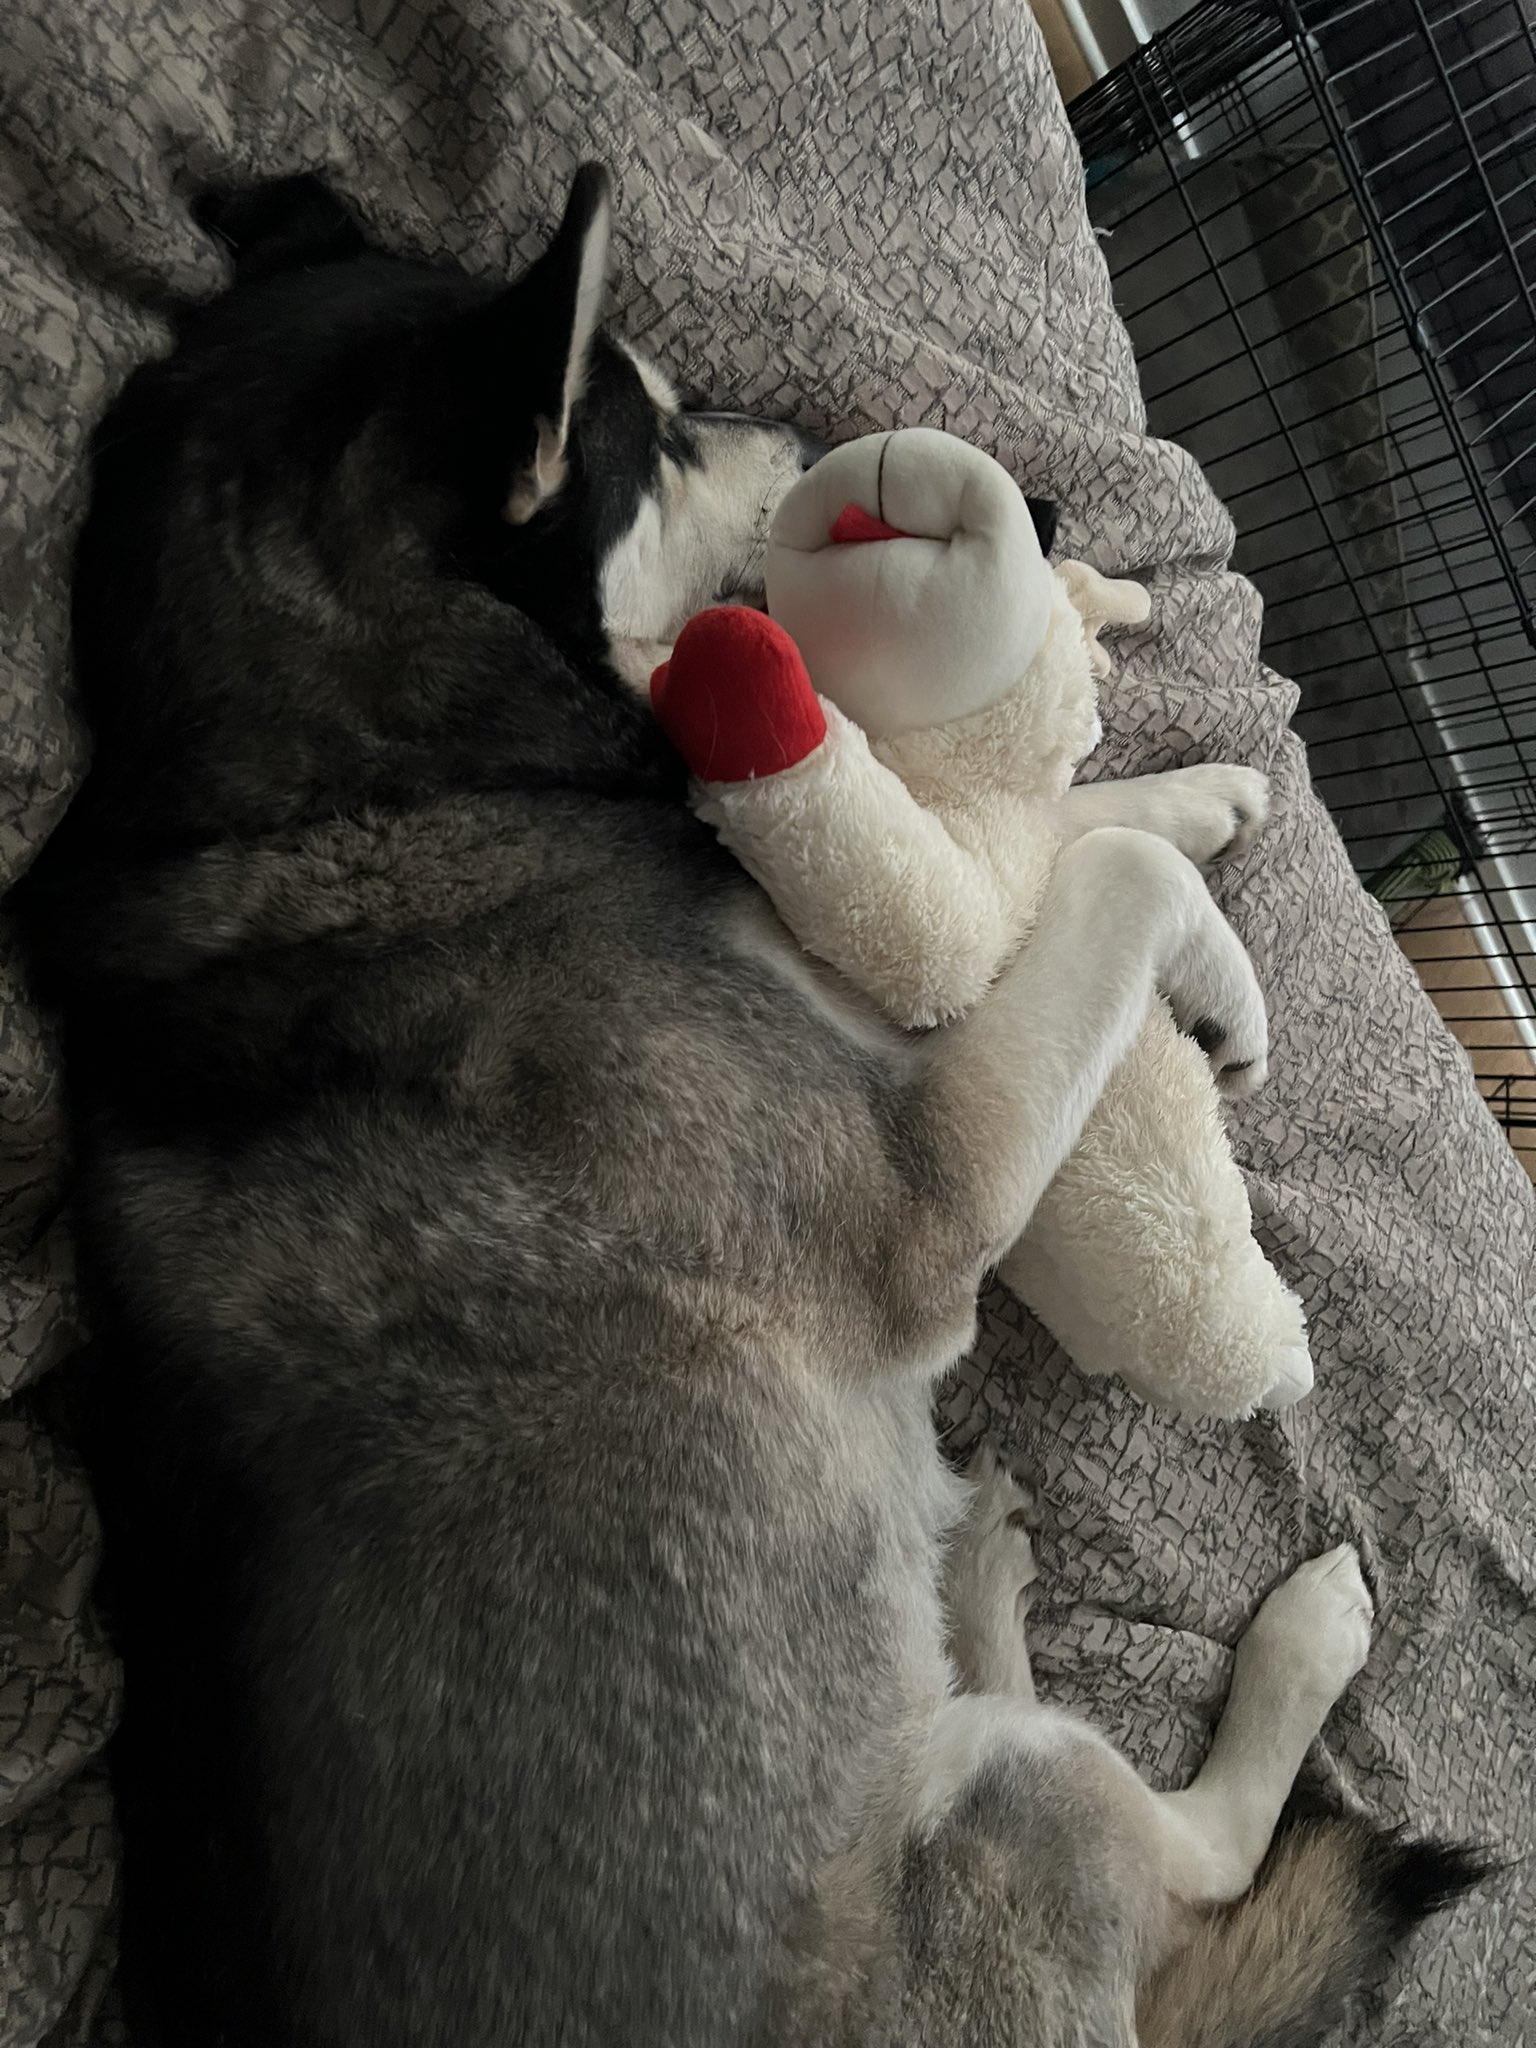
853	525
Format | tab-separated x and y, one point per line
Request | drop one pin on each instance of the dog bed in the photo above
856	215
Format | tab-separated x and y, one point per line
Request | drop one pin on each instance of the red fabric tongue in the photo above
853	524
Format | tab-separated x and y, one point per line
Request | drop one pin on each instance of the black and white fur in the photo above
521	1276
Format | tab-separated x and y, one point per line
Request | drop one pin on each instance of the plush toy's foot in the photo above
735	699
1293	1380
1141	1258
1226	1352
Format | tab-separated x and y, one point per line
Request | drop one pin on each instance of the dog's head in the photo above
540	454
372	529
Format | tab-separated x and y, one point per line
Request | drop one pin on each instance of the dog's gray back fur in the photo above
565	1623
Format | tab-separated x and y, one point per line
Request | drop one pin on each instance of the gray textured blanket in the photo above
858	212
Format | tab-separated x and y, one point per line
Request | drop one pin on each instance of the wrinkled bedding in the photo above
857	215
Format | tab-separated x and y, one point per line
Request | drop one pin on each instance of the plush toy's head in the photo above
931	606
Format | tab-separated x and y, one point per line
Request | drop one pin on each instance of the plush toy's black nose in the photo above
1043	512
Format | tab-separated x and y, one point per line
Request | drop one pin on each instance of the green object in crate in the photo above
1428	868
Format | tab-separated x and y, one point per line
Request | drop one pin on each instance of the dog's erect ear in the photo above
498	384
554	313
279	225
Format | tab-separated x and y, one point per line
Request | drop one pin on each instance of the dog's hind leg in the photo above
1302	1648
1028	1888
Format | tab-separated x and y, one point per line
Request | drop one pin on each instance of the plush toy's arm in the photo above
867	879
994	778
863	876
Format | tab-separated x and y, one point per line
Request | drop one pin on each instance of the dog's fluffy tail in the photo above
1275	1969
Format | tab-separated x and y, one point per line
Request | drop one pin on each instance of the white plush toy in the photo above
904	822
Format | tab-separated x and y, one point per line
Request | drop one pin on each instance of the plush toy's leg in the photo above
866	877
1140	1258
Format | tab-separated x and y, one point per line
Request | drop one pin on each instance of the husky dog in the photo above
522	1276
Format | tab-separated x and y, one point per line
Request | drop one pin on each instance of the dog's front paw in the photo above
1217	810
1216	999
1197	958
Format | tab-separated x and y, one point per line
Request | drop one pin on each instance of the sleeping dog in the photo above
522	1276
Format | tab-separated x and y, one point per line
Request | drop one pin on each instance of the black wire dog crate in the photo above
1322	220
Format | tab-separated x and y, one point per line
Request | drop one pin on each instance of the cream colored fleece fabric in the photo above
916	866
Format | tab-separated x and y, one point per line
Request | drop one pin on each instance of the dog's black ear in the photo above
542	331
279	225
1043	512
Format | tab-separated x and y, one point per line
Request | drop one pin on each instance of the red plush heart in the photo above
735	699
854	524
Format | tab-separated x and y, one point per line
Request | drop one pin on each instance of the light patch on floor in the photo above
1461	984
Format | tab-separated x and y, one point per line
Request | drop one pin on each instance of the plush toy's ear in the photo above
1101	601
